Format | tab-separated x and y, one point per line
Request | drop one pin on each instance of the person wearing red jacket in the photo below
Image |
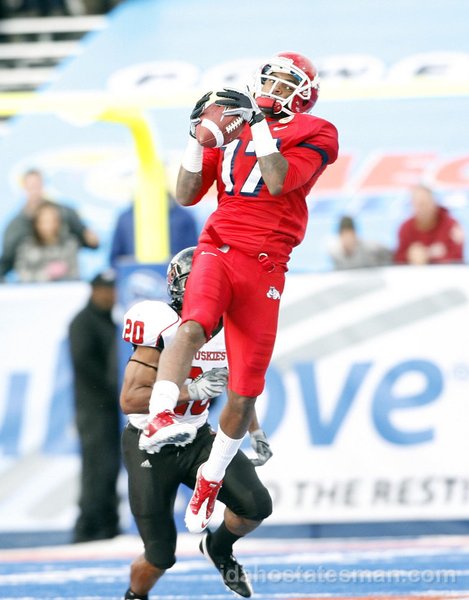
431	235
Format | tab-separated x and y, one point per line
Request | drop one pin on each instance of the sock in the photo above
223	450
221	542
129	595
164	396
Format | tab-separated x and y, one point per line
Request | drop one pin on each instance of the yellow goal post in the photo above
151	197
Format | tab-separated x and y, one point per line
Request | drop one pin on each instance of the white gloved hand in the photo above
261	446
209	384
240	103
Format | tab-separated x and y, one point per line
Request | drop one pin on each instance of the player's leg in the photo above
153	482
143	576
176	360
248	503
210	474
250	331
207	294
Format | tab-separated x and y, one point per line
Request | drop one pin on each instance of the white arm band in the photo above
264	143
192	157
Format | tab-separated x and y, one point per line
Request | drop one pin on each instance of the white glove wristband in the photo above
192	157
264	143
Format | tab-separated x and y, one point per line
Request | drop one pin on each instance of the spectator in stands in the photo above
50	253
431	235
93	346
21	226
182	233
349	251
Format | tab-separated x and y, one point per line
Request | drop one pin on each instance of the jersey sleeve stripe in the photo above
320	151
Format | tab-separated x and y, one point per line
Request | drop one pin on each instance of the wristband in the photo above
192	157
264	143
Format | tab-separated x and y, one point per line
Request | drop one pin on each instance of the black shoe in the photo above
233	574
129	595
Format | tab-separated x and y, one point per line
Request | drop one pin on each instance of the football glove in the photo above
209	384
240	103
261	447
197	111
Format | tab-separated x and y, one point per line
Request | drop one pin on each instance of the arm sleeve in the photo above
310	157
301	168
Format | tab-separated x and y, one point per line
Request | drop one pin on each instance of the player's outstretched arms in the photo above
274	169
189	178
272	164
188	186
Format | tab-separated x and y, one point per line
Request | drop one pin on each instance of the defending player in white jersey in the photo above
155	473
150	326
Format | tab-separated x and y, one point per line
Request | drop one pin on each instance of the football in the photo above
217	129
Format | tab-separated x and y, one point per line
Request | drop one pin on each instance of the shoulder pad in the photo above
146	322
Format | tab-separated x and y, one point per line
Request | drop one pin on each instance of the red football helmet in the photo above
303	97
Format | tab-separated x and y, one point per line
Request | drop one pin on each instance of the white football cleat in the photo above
162	430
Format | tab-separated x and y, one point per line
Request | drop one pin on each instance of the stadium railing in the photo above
30	48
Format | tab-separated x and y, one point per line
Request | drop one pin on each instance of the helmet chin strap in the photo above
269	106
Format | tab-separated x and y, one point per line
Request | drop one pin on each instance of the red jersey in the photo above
248	217
445	240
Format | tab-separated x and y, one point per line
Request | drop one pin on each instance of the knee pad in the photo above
160	554
264	506
260	505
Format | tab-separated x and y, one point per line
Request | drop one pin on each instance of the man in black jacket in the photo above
93	346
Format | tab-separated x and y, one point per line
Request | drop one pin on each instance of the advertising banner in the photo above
366	397
365	404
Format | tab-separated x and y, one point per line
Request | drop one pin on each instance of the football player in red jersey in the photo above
263	179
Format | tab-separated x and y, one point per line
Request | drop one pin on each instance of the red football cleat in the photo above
164	429
200	508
